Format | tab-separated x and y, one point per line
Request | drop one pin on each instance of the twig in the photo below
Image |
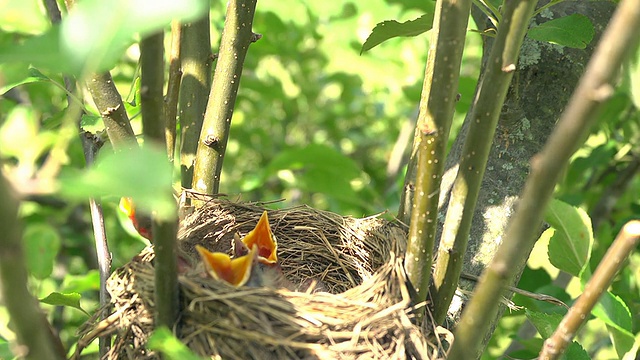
540	297
611	263
195	60
151	87
173	90
434	123
109	103
34	333
212	144
594	88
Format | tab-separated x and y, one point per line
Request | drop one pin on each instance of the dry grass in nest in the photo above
363	312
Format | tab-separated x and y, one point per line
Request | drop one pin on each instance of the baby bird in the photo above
221	266
255	261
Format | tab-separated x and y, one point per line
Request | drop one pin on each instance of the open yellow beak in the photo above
262	237
221	267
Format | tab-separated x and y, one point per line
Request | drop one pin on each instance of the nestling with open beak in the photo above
263	267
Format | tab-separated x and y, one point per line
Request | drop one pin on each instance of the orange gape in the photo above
255	260
142	225
221	267
263	238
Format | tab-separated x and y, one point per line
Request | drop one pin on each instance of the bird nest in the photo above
353	302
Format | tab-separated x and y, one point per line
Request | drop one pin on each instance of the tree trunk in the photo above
545	78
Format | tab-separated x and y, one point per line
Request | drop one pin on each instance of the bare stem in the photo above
484	116
34	333
166	272
195	59
611	263
151	87
434	123
109	103
173	90
594	88
236	38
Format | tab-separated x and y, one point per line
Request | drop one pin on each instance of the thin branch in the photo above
166	272
34	333
212	144
151	87
594	88
164	232
109	103
173	90
90	147
195	60
484	116
434	123
611	263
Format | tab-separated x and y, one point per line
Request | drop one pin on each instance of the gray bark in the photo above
541	87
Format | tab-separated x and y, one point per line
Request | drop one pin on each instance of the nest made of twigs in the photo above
363	311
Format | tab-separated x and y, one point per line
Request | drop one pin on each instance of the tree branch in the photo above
434	123
173	90
195	59
109	103
34	333
594	88
236	38
151	87
611	263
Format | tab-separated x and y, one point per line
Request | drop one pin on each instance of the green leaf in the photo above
25	17
546	324
96	33
164	341
33	75
570	245
143	174
5	350
60	299
81	283
42	244
616	315
574	31
390	29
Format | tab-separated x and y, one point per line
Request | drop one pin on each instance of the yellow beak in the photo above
262	237
221	267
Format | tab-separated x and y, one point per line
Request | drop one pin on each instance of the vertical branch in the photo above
109	103
151	86
236	38
34	333
434	123
195	60
611	263
90	146
473	160
173	90
166	272
594	88
164	232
